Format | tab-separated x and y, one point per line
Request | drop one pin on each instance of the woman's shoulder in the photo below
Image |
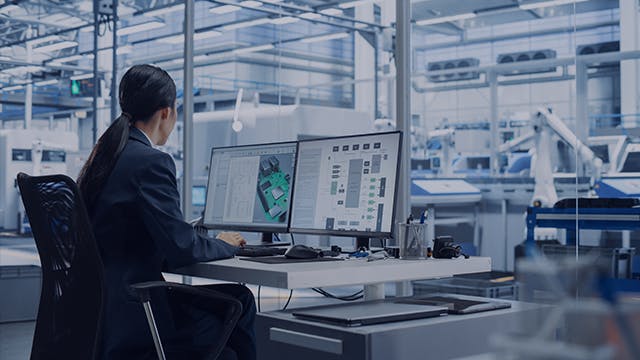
142	155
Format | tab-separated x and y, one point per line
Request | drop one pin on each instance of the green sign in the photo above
75	87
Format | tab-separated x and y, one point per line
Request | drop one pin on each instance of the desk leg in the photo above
404	288
626	239
374	291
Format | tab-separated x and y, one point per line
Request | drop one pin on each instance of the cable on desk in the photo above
277	237
293	242
353	297
287	304
259	287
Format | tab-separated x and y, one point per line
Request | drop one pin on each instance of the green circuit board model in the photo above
273	190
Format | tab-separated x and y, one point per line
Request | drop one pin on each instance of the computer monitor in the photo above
198	195
346	186
249	188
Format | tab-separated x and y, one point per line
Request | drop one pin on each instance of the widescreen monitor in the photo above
249	187
346	186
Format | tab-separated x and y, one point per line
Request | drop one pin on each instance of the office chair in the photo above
69	316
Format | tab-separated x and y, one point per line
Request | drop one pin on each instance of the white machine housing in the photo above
18	150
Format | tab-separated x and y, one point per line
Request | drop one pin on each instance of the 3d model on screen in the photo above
273	189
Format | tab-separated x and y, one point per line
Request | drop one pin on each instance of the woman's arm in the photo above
159	204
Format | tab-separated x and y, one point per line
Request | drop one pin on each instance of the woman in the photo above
131	194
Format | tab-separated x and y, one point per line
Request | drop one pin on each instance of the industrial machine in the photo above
545	124
29	151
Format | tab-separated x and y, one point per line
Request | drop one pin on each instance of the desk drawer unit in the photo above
282	336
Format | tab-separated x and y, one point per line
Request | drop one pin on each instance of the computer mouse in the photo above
302	252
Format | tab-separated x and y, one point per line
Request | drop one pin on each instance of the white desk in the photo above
372	274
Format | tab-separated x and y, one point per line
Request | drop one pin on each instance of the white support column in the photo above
403	118
582	125
374	292
364	65
492	77
28	94
630	69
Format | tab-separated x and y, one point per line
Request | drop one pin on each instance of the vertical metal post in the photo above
187	143
582	106
28	94
96	83
114	62
403	103
504	211
376	91
494	124
403	117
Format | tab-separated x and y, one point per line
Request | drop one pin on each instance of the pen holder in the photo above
412	240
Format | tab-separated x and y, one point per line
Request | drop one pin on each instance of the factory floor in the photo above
16	337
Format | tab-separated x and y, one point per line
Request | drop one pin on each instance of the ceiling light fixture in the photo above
351	4
81	76
67	59
43	40
251	3
445	19
246	24
57	46
310	16
327	37
331	12
543	4
9	8
140	27
46	82
164	10
11	88
23	69
62	18
224	9
251	49
177	39
284	20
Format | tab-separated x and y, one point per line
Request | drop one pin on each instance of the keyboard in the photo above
258	251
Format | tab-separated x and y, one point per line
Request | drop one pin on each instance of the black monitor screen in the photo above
601	151
478	163
249	187
347	185
632	163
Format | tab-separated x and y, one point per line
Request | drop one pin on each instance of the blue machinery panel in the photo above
587	218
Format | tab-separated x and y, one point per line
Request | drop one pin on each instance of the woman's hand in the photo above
232	238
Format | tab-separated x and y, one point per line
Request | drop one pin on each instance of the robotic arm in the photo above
544	193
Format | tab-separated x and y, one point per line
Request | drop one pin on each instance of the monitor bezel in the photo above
253	228
352	233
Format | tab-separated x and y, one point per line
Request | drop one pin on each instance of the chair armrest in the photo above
143	291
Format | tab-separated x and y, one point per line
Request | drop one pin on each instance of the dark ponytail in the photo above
144	89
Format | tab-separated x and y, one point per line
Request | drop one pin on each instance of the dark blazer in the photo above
140	232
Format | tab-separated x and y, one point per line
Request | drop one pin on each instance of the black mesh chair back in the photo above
68	320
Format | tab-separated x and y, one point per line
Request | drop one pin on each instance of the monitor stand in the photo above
267	240
362	242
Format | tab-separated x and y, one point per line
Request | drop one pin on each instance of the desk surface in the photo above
334	273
